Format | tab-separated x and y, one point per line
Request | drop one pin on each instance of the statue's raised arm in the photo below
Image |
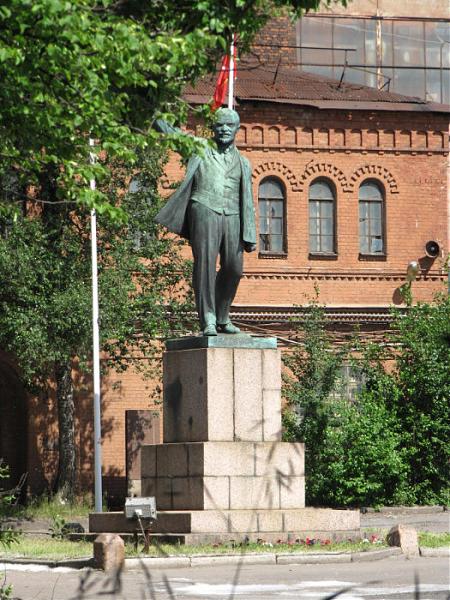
213	209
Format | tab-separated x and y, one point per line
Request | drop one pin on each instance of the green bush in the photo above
390	444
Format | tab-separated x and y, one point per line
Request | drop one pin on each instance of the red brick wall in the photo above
406	152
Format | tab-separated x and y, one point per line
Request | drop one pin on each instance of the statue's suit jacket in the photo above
174	213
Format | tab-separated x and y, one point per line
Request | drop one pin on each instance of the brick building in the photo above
350	184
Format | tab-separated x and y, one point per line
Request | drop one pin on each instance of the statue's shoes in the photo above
210	330
228	328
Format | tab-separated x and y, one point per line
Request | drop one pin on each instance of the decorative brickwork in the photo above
377	171
276	168
323	169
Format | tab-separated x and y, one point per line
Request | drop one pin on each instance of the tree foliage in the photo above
45	297
70	69
390	445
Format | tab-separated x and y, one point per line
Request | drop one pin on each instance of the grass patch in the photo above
434	540
42	548
45	507
55	549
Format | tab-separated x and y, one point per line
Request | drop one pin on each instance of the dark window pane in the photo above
432	45
326	209
271	215
314	226
264	242
327	243
363	210
327	227
433	86
320	190
409	44
316	32
270	188
364	245
409	82
264	225
349	33
277	226
263	208
276	243
442	32
370	191
276	208
314	209
314	243
446	87
375	211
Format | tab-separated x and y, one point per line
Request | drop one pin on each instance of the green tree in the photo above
45	297
312	371
70	69
422	375
390	444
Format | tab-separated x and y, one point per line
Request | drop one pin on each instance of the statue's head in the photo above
225	126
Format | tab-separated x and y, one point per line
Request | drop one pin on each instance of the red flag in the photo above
222	83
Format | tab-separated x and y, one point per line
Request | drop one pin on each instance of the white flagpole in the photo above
231	76
96	353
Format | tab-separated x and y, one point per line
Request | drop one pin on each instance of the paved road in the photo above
389	579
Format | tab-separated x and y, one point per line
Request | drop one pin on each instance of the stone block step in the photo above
300	522
224	475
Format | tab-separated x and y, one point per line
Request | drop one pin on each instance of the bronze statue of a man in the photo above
213	209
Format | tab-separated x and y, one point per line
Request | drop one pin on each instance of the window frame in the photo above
373	255
324	254
273	253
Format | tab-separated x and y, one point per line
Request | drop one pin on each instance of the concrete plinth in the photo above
222	394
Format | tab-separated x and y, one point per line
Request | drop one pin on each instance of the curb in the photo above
442	551
71	563
397	510
179	562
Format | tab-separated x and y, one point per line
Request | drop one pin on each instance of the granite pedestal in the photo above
222	471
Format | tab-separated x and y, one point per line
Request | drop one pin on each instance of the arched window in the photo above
271	203
371	218
322	224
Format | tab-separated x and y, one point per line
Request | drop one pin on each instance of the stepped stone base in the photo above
224	475
214	526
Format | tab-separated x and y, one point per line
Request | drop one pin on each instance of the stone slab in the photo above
215	459
300	523
221	341
222	394
226	493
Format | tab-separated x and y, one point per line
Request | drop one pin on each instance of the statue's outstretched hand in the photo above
249	247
